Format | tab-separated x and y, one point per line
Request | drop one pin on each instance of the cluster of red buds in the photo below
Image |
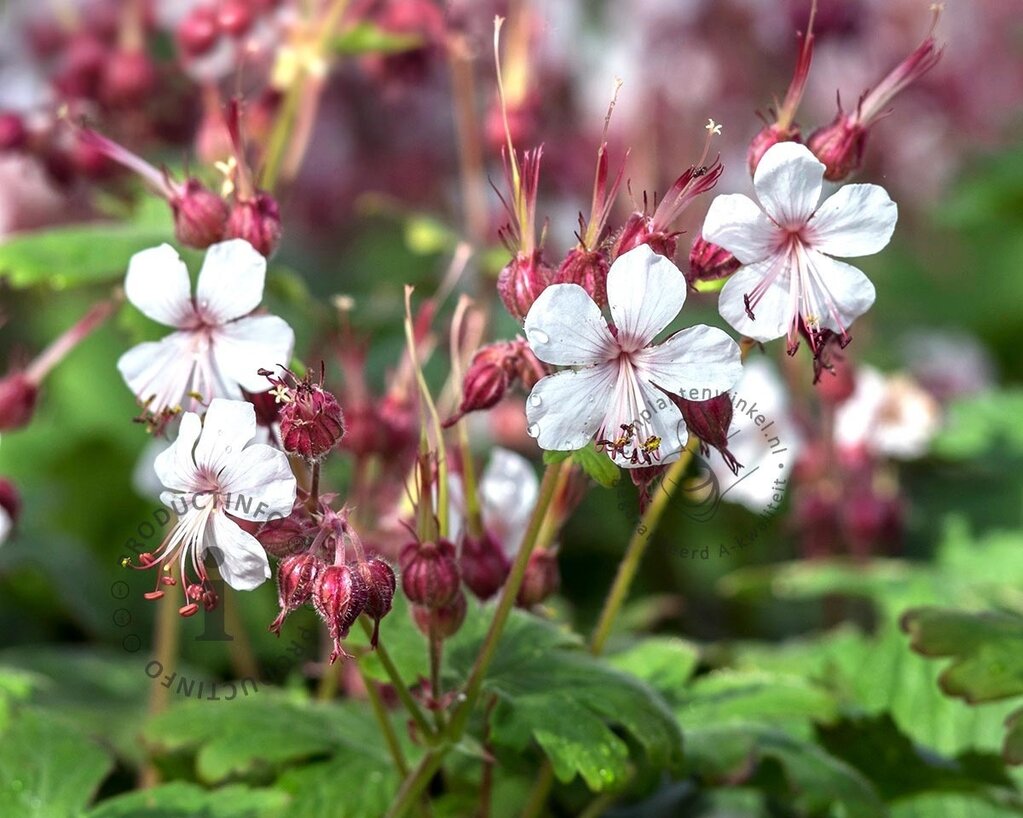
212	34
310	417
494	370
431	580
340	590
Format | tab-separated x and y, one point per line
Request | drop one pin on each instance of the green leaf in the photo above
183	800
368	38
664	663
81	254
597	465
353	785
550	457
982	424
48	769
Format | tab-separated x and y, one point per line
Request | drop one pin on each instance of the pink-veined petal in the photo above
788	183
241	348
564	410
773	312
645	292
230	281
157	283
858	220
160	372
737	223
698	363
260	483
240	558
564	327
839	288
227	427
175	466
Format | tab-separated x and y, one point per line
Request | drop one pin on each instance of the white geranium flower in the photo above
218	348
788	281
618	391
211	475
890	416
6	523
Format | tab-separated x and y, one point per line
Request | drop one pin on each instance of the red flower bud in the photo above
82	67
378	577
490	374
839	146
442	622
283	537
339	596
588	269
521	282
13	133
483	564
429	573
541	579
128	80
234	17
311	420
10	503
200	215
296	577
709	421
709	262
258	221
18	395
198	31
768	137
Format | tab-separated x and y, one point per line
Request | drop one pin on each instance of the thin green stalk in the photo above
380	711
415	783
414	710
634	551
541	789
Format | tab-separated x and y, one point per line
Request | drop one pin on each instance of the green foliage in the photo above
597	465
367	38
182	800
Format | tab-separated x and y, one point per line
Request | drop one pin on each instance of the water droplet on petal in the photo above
533	430
535	399
537	336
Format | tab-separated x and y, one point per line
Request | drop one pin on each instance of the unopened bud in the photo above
283	537
429	573
200	215
258	221
488	378
234	17
339	596
521	282
541	579
588	269
378	577
839	146
767	138
10	507
18	396
128	80
311	420
296	577
441	622
198	31
709	262
484	565
709	420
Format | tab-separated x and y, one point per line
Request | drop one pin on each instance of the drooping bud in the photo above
129	78
339	596
282	537
839	146
442	622
494	369
296	577
709	262
200	215
257	220
429	573
10	507
588	269
483	564
13	133
18	396
521	282
380	583
541	579
311	420
709	420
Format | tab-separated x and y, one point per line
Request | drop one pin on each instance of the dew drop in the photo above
533	430
537	336
535	399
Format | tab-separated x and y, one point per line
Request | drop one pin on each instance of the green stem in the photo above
380	711
400	688
415	783
541	789
634	551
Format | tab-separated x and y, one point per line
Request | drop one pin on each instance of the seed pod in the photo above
339	596
311	421
521	282
840	146
258	221
296	576
588	269
429	573
378	577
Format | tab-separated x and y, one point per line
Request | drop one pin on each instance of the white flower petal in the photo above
565	327
5	525
564	410
645	292
260	482
640	405
239	556
858	220
772	313
508	491
175	466
227	427
839	288
788	183
230	281
241	348
157	283
160	372
737	223
698	363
